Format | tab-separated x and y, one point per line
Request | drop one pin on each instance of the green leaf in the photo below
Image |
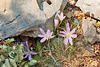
71	48
12	54
52	48
9	40
2	57
13	63
55	42
0	46
7	63
81	18
32	62
99	23
36	57
23	63
3	65
38	45
19	53
26	66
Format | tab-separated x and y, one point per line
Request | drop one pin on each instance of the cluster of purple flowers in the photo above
67	34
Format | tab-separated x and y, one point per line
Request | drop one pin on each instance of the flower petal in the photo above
66	41
25	53
63	32
52	37
61	14
62	35
48	32
51	33
64	17
27	43
29	56
70	40
42	31
33	53
73	30
40	35
67	27
21	42
61	17
74	35
56	22
26	56
42	40
26	48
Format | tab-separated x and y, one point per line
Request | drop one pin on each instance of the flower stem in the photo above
51	54
67	47
60	23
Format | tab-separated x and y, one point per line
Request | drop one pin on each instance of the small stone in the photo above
87	53
76	63
72	2
98	30
76	21
89	30
70	14
94	63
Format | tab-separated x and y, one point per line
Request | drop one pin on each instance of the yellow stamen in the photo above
28	52
68	35
45	35
61	18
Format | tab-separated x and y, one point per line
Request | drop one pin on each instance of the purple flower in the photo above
61	17
68	34
21	42
28	53
46	35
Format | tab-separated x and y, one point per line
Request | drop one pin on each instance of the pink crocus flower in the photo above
56	22
68	34
45	36
61	17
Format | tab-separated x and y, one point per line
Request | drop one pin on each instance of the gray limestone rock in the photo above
90	32
90	6
24	17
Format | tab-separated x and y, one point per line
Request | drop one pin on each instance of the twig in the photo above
53	59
